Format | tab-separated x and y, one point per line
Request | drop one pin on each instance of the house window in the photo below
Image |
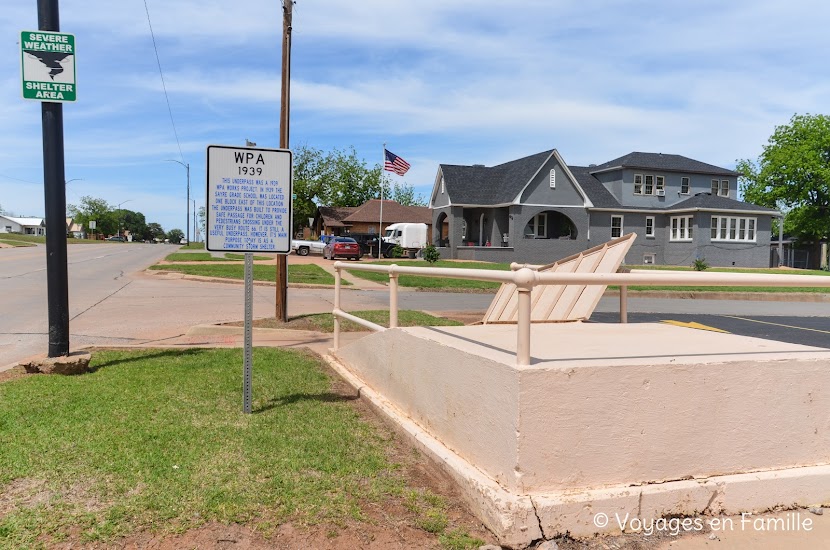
616	226
638	184
724	188
537	227
649	187
684	186
553	179
650	226
540	223
443	188
681	228
715	186
660	184
733	228
8	229
649	259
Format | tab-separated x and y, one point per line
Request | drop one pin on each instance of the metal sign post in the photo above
248	210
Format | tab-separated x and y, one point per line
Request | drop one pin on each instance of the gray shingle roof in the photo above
490	185
597	193
708	201
663	161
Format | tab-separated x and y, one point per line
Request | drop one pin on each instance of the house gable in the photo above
553	184
440	195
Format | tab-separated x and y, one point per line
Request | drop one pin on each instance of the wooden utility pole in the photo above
281	313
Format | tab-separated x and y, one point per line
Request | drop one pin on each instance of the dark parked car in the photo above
116	238
344	247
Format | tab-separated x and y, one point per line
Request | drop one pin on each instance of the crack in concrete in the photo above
717	492
538	520
108	296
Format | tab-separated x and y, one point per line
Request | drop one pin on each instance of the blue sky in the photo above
440	81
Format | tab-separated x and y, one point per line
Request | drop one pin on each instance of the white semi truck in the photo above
412	237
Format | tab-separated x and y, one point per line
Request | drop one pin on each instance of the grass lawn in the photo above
324	322
193	246
308	274
155	440
436	283
207	257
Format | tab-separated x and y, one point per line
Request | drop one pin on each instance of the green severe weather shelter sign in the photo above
48	66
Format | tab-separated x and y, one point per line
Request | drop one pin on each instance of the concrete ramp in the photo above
553	303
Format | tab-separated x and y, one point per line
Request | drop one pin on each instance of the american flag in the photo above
394	163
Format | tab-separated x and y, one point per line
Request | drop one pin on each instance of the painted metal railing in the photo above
526	279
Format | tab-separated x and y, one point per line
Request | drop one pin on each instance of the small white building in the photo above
25	226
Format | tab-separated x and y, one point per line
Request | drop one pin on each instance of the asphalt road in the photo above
112	300
807	331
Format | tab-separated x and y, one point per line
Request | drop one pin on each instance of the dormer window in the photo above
724	188
684	186
638	184
553	179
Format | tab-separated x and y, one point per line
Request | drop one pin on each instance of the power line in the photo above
163	85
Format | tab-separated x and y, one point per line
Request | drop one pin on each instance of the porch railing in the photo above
526	279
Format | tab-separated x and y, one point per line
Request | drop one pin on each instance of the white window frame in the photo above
659	184
650	234
653	257
688	181
736	229
723	191
646	184
443	187
715	187
552	178
541	217
638	184
620	228
540	220
680	228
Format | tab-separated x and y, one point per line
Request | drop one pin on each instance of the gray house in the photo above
538	209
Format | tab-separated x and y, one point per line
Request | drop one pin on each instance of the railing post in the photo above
623	303
524	279
393	297
336	305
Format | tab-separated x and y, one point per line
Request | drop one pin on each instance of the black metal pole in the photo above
54	185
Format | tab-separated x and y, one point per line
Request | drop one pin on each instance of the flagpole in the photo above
380	228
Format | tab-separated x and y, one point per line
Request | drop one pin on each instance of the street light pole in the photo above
187	216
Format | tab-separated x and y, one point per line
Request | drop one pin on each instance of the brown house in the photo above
366	219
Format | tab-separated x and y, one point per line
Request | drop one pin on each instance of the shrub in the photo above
700	264
431	253
397	251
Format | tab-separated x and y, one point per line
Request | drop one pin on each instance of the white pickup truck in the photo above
304	248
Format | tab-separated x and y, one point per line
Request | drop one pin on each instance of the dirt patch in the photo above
14	373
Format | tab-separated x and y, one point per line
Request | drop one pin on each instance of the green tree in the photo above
155	231
348	181
309	179
175	236
405	194
97	210
133	222
334	178
793	175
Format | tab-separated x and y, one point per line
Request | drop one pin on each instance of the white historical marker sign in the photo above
47	66
248	199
